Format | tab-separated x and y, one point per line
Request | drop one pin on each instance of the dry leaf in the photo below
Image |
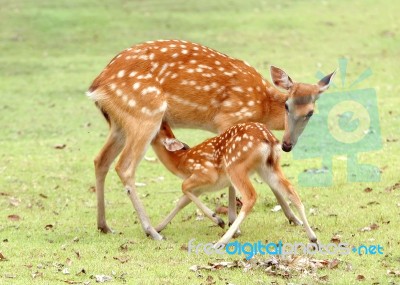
370	228
122	259
102	278
150	159
199	215
92	189
395	273
36	274
276	208
43	196
14	201
334	263
367	190
14	218
223	210
2	258
60	146
184	247
8	275
48	227
393	187
360	277
65	271
336	239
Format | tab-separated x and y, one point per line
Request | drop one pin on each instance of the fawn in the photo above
192	86
228	159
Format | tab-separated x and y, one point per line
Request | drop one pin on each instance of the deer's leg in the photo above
102	162
189	187
279	196
137	141
232	215
183	202
277	181
240	180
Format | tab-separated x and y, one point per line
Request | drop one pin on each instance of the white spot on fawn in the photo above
136	86
121	73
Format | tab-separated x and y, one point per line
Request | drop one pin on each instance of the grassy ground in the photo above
50	52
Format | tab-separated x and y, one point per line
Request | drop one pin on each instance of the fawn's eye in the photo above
286	107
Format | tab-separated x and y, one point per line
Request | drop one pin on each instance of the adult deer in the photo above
190	86
229	159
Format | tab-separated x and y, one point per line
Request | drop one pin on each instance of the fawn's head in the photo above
300	103
167	138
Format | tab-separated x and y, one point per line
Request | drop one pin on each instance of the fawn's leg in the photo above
195	182
279	184
102	162
240	180
137	140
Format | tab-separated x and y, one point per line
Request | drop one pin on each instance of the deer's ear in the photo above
280	78
325	82
173	144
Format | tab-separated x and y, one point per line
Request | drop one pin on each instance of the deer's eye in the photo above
286	107
309	115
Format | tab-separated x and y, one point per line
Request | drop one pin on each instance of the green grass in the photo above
50	53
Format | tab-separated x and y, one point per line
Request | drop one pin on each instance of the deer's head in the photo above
299	105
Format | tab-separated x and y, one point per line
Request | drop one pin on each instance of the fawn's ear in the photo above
325	82
280	78
173	144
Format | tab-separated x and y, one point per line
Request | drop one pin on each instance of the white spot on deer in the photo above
249	144
190	70
237	88
145	76
118	92
184	51
172	45
206	88
151	56
192	82
221	68
125	98
258	88
199	69
182	46
227	103
136	86
144	57
238	139
132	74
121	73
195	48
184	82
190	160
250	89
164	49
193	61
175	55
132	103
150	89
245	148
113	86
209	164
175	75
250	103
214	85
217	62
118	56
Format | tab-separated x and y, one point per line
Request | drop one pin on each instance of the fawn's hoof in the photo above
221	223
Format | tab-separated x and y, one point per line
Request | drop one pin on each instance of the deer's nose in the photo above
286	146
